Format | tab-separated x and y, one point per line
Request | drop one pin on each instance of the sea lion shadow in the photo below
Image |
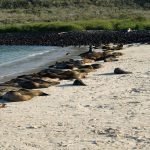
110	73
65	85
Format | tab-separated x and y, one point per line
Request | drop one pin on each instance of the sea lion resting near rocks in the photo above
110	53
109	47
22	95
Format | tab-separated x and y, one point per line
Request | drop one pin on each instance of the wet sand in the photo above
111	112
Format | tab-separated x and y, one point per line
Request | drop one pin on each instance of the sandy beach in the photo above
110	113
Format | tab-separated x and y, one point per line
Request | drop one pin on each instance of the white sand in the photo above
112	112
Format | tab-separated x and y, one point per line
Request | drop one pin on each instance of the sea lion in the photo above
32	92
84	70
22	95
110	59
64	65
15	96
35	82
86	60
111	47
110	54
120	71
33	85
86	67
96	66
62	74
72	75
96	56
79	83
2	105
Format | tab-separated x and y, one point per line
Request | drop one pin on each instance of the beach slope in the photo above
111	112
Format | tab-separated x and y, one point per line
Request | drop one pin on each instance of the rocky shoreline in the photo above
75	38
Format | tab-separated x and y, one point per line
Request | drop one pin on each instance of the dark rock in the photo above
79	83
120	71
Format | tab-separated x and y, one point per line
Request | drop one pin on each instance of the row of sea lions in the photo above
25	85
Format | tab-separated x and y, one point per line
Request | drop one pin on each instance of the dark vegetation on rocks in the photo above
75	38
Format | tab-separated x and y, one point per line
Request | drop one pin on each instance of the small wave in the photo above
24	59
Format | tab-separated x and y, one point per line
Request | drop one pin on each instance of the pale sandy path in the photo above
112	112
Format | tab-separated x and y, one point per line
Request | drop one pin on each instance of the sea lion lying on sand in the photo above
64	65
96	56
2	105
120	71
110	59
110	53
109	47
62	74
22	95
30	82
32	92
96	66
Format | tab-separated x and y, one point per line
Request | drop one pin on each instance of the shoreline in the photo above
73	54
111	112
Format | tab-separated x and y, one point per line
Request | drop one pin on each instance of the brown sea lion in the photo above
86	67
110	54
86	60
96	56
33	85
84	70
96	66
111	47
110	59
2	105
64	65
32	92
15	96
62	74
22	95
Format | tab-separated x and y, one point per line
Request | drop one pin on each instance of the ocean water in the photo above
18	60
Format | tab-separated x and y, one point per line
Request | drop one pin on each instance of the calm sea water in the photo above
17	60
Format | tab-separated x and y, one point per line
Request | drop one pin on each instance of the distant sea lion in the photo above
79	83
120	71
110	59
109	47
96	66
32	92
62	74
